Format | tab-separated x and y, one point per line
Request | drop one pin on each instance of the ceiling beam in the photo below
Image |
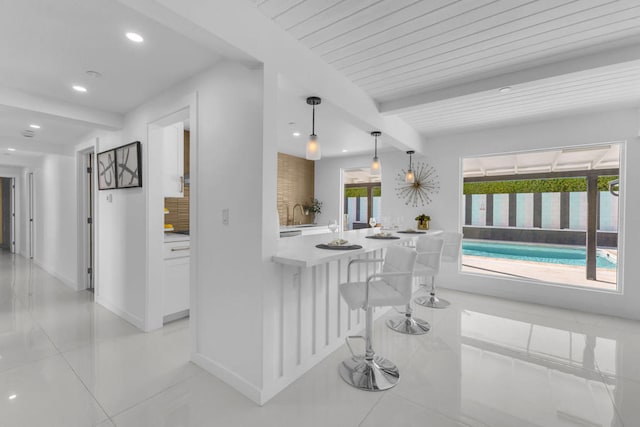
36	147
602	58
242	25
75	113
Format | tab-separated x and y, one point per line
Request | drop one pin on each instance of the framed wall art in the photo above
107	170
129	165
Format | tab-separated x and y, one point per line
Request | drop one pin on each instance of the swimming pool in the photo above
533	252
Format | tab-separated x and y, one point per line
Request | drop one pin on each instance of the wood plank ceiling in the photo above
394	49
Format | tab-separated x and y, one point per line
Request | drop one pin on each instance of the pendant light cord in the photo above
313	120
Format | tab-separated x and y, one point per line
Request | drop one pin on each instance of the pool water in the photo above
533	252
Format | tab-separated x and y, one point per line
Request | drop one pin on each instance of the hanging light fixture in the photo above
313	148
376	167
410	178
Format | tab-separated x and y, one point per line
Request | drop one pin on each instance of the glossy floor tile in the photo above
65	361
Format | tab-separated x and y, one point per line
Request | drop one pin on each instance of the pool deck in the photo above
539	271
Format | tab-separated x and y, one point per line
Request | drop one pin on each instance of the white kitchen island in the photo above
310	319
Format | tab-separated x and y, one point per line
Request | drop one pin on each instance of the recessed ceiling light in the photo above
78	88
135	37
345	150
34	126
505	90
13	396
11	149
296	134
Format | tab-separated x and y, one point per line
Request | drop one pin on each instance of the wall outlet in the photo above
225	216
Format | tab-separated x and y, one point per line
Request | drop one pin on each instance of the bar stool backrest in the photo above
429	253
400	259
452	246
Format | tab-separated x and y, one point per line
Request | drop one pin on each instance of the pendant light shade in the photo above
313	147
409	177
376	167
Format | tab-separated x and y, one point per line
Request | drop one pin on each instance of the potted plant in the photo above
313	208
423	221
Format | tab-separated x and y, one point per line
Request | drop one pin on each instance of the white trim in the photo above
231	378
82	237
67	281
134	320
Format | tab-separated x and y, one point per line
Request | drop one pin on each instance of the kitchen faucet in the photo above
293	217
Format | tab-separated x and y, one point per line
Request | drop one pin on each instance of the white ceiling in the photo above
435	64
396	50
335	133
47	46
14	121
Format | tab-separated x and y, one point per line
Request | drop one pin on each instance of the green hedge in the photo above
551	185
361	192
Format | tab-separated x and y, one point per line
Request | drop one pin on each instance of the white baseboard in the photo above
231	378
134	320
68	282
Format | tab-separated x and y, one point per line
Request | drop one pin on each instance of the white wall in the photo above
55	217
446	152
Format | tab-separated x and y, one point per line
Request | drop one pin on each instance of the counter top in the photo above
302	227
301	251
175	237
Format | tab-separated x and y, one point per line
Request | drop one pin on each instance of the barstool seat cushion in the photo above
380	294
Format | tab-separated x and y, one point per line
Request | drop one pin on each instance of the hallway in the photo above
65	361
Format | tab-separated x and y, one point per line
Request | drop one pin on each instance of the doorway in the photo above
362	196
7	215
86	222
172	145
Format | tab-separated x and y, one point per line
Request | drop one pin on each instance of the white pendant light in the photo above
409	177
376	167
313	147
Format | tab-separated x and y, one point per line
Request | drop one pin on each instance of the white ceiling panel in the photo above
397	49
583	91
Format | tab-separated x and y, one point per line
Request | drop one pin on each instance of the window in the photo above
545	215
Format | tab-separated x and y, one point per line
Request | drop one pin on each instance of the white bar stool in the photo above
390	287
450	253
428	254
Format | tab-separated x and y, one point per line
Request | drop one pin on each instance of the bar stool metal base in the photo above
370	375
409	325
432	301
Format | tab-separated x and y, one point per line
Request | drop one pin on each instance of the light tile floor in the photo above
65	361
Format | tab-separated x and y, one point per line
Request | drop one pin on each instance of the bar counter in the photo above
305	316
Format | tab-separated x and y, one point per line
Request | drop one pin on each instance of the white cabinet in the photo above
176	279
173	160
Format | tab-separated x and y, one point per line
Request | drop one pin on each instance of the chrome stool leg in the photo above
432	300
407	324
369	372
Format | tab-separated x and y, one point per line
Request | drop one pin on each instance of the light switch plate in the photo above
225	216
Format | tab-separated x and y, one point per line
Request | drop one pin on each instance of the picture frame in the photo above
106	163
128	165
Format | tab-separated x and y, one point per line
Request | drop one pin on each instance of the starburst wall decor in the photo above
425	184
